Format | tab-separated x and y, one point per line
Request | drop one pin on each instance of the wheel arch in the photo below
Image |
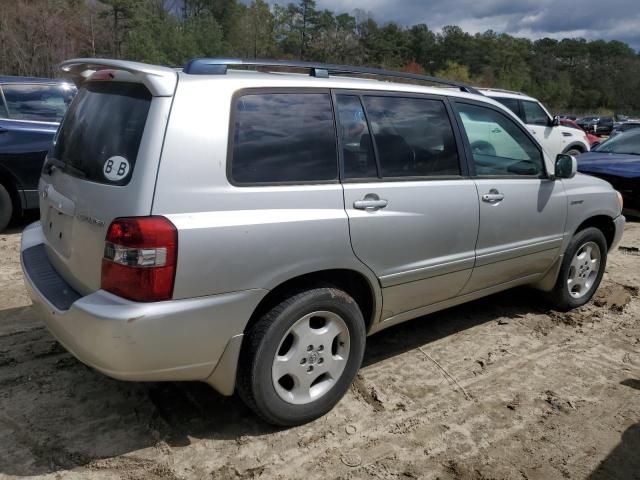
576	146
604	223
8	181
355	283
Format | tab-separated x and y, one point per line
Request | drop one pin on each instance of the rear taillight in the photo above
139	260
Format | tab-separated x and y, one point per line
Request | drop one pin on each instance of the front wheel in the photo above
582	268
574	152
300	357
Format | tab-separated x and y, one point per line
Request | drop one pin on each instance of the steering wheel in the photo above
482	147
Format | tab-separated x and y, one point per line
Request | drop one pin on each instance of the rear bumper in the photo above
172	340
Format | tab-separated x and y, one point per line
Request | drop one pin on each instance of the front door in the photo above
522	211
413	217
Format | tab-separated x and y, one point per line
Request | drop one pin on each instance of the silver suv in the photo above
251	229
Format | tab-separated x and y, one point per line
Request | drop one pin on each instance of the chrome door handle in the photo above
371	201
493	196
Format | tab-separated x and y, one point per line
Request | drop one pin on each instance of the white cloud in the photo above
591	19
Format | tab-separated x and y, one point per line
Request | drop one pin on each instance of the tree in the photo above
121	12
572	73
455	71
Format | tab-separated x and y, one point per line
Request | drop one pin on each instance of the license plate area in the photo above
58	229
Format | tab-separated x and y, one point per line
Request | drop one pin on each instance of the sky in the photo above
590	19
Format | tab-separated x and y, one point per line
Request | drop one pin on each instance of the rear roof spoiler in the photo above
161	81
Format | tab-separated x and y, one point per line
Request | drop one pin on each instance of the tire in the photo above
574	152
297	336
6	208
578	280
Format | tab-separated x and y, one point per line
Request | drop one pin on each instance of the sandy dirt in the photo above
499	388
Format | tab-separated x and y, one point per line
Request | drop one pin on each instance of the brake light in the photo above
103	75
140	256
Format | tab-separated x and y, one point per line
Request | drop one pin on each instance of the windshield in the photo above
625	143
101	134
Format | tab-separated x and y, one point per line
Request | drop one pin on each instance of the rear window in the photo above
42	103
100	136
284	138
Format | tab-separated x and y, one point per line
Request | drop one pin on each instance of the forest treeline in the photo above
568	74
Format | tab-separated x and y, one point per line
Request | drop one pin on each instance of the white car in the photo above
555	138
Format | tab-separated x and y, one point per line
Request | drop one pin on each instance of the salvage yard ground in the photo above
499	388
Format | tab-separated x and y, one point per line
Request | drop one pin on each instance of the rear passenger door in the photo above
413	215
522	211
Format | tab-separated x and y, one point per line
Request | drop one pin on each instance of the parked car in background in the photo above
564	116
598	125
30	112
617	160
554	137
593	139
625	126
250	229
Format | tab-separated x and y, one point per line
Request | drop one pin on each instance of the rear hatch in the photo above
103	163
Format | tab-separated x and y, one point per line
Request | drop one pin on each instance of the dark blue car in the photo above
617	161
30	112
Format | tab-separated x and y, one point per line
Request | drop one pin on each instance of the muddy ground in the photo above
499	388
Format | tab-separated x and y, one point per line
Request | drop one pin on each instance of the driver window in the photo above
499	146
534	114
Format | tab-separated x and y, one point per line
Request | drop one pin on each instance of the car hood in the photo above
618	164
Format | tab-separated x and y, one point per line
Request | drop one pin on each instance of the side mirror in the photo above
556	121
566	166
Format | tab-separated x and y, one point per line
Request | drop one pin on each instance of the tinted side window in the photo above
534	114
45	103
357	147
499	146
413	137
284	137
512	104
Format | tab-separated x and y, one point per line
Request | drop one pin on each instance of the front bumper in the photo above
171	340
619	223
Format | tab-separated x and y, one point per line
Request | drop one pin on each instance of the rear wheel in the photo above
582	268
574	152
6	208
300	357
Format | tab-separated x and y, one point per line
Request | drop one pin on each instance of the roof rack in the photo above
218	66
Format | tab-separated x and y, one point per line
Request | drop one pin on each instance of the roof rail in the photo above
218	66
503	90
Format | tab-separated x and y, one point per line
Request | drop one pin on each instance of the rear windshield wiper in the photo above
64	166
53	162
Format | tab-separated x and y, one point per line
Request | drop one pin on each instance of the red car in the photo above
593	139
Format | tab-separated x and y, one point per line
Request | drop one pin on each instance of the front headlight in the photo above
620	200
